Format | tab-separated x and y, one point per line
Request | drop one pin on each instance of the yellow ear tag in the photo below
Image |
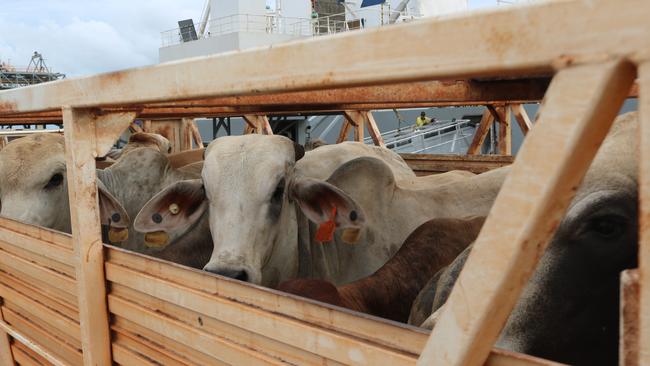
156	239
118	235
351	236
174	209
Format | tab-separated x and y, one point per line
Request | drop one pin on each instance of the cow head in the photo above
34	189
33	184
252	193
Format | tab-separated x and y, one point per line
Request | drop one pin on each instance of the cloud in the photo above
85	37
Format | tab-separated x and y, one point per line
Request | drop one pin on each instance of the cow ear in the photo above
112	215
173	210
329	207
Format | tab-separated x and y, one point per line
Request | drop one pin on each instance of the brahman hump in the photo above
143	139
261	203
569	311
389	292
33	189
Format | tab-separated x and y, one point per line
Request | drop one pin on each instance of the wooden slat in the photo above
25	356
33	287
47	235
629	319
126	357
254	341
39	258
53	323
43	248
66	327
644	213
15	265
139	346
69	309
40	341
250	318
487	120
522	118
578	110
165	345
80	133
206	343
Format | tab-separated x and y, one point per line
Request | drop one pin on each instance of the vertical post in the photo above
6	357
629	322
185	135
644	213
358	131
505	131
80	141
579	107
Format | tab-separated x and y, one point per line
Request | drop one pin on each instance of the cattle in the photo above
33	189
390	291
261	202
569	310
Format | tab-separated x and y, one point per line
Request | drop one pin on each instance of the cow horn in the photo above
299	151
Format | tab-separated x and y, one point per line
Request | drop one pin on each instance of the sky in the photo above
81	37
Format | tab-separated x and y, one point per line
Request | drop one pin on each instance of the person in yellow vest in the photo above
422	120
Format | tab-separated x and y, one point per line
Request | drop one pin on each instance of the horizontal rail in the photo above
28	132
411	95
527	49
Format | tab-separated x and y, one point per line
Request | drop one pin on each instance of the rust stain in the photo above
500	41
112	78
8	107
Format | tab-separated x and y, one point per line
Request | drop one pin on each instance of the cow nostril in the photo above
237	274
242	276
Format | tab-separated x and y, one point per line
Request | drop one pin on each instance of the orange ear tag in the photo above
325	231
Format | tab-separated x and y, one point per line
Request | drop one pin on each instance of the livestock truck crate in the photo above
71	300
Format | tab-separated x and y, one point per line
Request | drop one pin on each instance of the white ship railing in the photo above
296	27
428	137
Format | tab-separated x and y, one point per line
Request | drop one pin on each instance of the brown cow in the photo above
390	291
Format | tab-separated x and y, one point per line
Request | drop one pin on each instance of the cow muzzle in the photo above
237	274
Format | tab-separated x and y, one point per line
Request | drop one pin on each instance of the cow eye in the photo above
55	181
606	226
278	194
